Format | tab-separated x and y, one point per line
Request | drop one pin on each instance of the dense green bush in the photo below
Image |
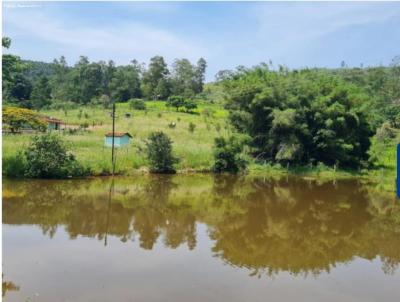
175	101
137	104
15	165
299	116
180	102
47	157
159	153
189	106
228	155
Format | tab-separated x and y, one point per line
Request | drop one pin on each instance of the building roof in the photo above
50	119
118	134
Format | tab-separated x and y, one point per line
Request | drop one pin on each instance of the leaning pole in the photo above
398	171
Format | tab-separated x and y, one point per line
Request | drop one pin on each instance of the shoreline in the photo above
385	181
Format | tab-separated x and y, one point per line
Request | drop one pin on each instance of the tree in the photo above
189	106
16	118
159	153
175	101
6	42
200	74
125	84
14	84
41	93
228	155
61	80
21	90
47	157
156	73
87	80
183	78
299	116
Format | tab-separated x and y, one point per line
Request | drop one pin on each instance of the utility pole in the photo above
113	135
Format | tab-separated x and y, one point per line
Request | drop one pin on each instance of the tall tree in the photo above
14	84
200	74
156	73
183	78
41	93
125	83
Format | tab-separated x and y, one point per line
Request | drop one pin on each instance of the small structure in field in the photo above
120	139
53	123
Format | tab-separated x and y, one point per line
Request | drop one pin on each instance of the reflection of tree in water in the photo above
157	216
8	286
265	226
300	229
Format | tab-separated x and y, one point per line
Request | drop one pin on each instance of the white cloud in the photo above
122	41
292	26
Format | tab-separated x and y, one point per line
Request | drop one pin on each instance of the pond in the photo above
199	238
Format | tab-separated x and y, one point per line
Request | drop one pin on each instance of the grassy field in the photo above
193	148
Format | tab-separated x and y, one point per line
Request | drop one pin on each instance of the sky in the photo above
226	34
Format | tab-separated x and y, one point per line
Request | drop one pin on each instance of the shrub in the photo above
137	104
172	125
175	101
189	106
159	153
228	155
15	165
192	127
47	157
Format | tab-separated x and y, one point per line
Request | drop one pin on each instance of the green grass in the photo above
193	148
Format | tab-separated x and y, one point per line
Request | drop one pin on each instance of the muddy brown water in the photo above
199	238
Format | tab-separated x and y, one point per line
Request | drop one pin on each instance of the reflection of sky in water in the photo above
83	269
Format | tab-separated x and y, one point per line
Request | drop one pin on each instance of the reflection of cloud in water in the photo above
265	226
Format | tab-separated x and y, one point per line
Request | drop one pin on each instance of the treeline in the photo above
312	115
36	84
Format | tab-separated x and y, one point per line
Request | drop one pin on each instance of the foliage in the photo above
137	104
189	106
155	81
41	93
228	154
47	157
192	126
188	80
14	165
14	84
125	83
299	116
38	84
16	118
159	153
175	101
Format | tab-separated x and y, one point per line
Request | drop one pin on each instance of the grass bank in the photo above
194	148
